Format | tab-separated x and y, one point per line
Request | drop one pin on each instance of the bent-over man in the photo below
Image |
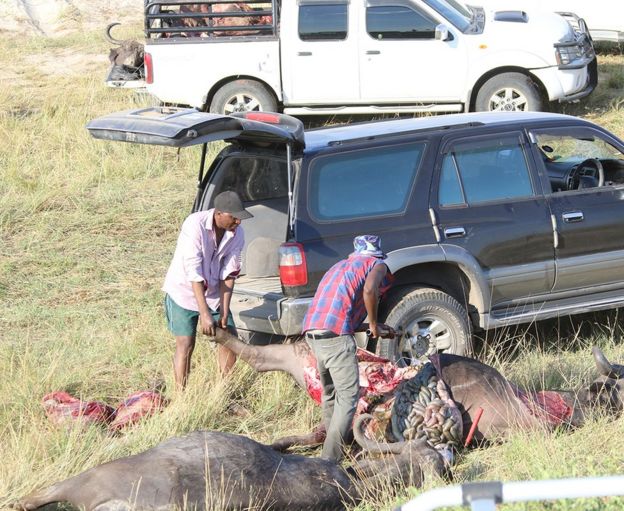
348	292
200	280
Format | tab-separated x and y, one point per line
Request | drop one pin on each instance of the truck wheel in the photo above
242	96
431	322
509	92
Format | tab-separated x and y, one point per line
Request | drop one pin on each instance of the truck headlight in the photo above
575	54
568	54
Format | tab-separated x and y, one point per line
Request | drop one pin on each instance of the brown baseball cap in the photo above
230	202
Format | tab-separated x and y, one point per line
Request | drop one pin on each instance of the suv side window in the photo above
365	183
578	158
475	171
323	21
398	22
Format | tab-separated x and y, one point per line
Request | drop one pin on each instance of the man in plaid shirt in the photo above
348	292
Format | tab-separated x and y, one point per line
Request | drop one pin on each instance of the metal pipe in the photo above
202	163
291	206
476	495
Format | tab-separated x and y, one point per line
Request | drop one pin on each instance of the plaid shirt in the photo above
338	303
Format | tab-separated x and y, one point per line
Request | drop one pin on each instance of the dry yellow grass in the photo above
87	229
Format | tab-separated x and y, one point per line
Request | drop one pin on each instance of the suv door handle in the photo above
304	53
454	232
574	216
372	52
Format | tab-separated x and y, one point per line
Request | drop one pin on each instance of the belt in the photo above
320	334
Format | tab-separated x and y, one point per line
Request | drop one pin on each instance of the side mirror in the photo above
442	33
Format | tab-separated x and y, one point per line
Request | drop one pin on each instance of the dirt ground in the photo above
52	19
60	17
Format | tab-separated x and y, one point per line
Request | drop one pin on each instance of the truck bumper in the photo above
569	84
592	81
269	313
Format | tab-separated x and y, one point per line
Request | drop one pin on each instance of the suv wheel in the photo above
242	96
509	92
431	322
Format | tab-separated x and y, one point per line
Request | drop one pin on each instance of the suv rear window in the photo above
341	184
484	170
254	178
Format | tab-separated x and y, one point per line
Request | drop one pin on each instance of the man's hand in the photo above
373	330
223	322
381	330
386	331
207	324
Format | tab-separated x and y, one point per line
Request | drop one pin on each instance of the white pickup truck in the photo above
362	56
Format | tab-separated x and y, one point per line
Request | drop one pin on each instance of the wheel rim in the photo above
242	102
425	336
508	99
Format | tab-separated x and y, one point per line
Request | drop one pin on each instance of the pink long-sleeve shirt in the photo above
197	258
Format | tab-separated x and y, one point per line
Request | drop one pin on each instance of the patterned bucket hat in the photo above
368	244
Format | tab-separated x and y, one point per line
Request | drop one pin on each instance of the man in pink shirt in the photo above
200	280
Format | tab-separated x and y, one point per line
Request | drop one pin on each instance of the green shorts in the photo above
181	321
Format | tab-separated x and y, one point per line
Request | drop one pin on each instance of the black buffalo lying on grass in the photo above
215	470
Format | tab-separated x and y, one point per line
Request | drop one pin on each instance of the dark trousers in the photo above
338	367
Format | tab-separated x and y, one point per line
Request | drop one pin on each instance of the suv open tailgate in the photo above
183	127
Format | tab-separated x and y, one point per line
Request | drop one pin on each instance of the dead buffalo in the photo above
216	470
126	57
470	385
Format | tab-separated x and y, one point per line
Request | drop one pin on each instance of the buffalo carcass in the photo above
126	58
470	385
216	470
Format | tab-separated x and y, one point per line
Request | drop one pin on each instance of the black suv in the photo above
487	219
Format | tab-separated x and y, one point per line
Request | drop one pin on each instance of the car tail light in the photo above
263	117
149	68
292	265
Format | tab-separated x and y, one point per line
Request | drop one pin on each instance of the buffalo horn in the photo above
108	35
605	368
370	445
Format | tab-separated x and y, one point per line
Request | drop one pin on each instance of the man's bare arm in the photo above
206	323
371	298
226	288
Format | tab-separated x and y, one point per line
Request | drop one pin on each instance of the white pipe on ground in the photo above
485	496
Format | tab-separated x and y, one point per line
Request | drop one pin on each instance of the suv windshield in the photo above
453	11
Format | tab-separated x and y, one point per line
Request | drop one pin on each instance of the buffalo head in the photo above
607	390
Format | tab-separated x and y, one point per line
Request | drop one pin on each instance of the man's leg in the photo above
182	323
342	365
182	359
329	392
226	358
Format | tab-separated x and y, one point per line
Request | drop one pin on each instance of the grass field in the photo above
87	229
